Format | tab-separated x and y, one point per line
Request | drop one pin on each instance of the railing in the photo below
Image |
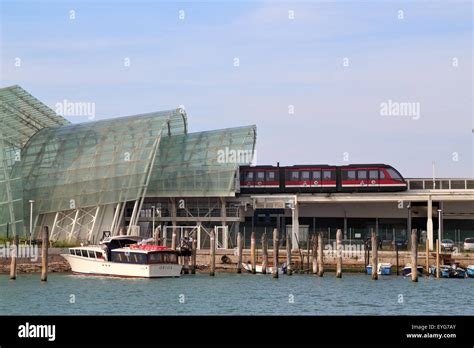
440	184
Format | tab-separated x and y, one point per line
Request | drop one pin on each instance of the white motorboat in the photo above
124	256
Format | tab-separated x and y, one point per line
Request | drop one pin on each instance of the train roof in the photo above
323	165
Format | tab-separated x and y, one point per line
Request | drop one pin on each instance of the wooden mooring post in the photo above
339	254
14	256
314	241
239	252
375	255
289	269
264	253
253	254
427	256
44	254
276	245
186	257
307	255
212	250
396	255
193	256
320	255
414	256
437	259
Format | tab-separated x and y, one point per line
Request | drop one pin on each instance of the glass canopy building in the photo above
83	179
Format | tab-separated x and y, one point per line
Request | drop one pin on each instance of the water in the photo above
234	294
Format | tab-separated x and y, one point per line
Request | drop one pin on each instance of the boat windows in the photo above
162	258
84	253
128	257
91	254
78	252
99	255
72	251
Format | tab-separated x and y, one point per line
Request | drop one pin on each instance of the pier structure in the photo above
148	175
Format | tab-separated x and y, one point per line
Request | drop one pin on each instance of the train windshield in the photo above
394	174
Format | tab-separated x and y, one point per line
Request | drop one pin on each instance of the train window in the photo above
295	175
305	175
351	175
260	176
373	174
326	175
270	176
362	174
382	174
317	175
249	176
394	174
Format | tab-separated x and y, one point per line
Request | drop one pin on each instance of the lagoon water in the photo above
234	294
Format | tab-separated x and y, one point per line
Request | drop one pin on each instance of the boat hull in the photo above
80	265
259	268
407	271
470	271
383	269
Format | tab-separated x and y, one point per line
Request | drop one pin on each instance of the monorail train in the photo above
321	178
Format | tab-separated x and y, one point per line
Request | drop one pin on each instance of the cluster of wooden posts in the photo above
44	256
317	254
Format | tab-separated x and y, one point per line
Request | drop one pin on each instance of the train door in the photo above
316	178
362	178
260	179
374	181
248	179
306	179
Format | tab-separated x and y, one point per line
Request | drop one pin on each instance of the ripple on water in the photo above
233	294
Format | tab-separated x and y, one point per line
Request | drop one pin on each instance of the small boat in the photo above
470	271
382	269
447	271
124	256
453	271
407	270
258	268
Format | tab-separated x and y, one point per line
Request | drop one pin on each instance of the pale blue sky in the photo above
282	62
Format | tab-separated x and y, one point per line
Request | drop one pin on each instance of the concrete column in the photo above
295	226
224	224
429	223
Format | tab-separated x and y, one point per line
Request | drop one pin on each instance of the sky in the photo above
314	76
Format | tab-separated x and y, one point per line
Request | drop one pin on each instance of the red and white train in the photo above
321	178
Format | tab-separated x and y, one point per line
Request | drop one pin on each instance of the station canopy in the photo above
65	166
21	116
